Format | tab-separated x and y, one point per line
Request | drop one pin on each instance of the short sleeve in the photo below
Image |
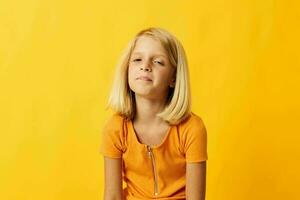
112	141
195	141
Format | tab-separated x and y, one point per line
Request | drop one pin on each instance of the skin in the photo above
195	181
112	179
151	97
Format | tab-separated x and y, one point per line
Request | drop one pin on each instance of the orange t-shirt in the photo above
154	172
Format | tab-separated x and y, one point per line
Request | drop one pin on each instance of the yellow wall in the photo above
57	60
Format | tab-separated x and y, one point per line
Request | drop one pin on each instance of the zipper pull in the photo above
149	150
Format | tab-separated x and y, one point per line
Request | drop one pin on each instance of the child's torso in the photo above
155	171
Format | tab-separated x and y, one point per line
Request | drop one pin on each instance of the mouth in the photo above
144	78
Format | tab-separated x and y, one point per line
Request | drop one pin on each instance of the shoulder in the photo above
115	127
193	121
193	137
114	121
192	128
113	138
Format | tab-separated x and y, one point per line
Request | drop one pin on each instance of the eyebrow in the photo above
154	54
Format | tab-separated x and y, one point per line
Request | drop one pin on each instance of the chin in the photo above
143	93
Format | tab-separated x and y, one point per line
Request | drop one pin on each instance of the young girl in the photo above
153	141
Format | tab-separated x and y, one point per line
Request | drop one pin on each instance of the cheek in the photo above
164	74
131	74
165	77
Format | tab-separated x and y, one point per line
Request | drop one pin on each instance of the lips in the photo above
145	78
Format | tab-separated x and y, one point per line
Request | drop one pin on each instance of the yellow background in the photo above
57	60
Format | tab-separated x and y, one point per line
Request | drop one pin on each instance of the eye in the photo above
161	63
136	60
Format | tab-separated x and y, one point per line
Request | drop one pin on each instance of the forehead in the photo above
149	45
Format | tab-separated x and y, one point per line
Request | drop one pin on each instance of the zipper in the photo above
150	154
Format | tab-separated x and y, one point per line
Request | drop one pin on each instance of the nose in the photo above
146	67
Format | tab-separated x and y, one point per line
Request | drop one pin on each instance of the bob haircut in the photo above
178	106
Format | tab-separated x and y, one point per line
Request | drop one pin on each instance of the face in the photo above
150	73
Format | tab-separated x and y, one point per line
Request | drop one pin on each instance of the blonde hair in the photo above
178	106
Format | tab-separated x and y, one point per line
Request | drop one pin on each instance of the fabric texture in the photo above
183	143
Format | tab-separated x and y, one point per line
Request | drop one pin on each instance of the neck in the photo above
146	110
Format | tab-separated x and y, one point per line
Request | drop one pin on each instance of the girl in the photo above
153	142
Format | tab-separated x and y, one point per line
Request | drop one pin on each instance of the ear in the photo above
172	84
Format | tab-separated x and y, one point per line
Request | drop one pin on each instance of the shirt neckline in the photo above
152	146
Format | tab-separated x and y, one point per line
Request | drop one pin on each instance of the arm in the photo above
113	179
196	180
